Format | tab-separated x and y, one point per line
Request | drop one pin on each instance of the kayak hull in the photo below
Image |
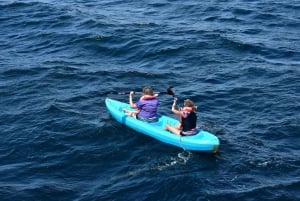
201	142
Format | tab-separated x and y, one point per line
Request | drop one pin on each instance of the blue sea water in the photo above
238	60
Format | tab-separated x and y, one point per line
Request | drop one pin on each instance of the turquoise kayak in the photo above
203	141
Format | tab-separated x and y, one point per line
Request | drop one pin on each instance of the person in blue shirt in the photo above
146	106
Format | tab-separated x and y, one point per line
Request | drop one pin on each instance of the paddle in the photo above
169	91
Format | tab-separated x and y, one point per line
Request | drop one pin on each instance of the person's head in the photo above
189	103
148	91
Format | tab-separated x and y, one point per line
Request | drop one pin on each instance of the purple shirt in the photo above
148	107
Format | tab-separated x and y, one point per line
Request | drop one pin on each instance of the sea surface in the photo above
238	60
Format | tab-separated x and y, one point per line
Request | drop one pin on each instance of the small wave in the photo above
282	62
141	74
15	4
242	11
268	190
17	71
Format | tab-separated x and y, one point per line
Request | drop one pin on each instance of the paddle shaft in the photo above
169	91
127	93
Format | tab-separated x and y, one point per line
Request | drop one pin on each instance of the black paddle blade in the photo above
170	91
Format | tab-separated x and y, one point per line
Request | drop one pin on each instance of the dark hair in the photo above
147	91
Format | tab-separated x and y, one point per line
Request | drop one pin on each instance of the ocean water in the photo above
238	60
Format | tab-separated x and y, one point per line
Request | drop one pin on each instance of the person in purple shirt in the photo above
146	107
